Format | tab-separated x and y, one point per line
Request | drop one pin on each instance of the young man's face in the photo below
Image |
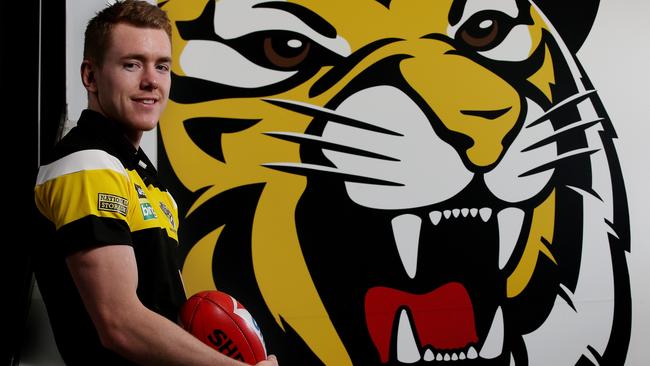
132	85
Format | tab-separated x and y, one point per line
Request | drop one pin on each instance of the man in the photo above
108	275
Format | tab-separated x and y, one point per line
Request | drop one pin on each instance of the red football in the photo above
221	322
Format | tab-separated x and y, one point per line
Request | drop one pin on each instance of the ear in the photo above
573	21
88	76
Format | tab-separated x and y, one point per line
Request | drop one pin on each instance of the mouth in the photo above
146	101
407	227
442	324
436	326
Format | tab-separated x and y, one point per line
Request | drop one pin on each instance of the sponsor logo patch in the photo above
112	203
147	211
140	191
169	215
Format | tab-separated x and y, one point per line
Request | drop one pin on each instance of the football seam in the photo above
194	311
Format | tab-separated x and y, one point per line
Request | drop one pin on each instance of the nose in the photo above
476	106
149	84
149	79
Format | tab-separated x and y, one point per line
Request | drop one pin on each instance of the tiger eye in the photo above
480	34
286	52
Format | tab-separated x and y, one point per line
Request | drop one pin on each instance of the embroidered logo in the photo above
140	191
112	203
147	211
169	215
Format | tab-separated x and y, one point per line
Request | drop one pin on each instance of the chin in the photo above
145	124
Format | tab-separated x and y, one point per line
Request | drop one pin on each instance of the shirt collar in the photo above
113	133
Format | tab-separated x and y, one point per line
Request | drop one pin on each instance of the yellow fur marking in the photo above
542	226
283	277
199	262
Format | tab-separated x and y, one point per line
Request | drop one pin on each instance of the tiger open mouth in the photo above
446	323
437	326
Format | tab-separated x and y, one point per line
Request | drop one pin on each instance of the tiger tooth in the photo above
461	356
493	345
471	353
446	358
464	211
439	357
406	230
454	357
473	211
428	355
435	217
455	212
512	360
485	213
447	213
407	349
510	222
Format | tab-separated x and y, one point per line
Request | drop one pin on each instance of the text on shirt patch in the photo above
169	215
112	203
147	211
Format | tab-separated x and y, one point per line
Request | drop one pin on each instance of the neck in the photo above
133	136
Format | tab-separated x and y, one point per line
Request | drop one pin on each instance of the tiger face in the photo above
398	182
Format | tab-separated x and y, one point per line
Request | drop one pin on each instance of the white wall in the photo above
616	56
79	12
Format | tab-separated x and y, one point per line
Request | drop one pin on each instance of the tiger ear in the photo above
573	21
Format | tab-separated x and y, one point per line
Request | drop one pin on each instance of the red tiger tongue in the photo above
443	318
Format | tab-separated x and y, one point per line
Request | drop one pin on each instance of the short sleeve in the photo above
87	195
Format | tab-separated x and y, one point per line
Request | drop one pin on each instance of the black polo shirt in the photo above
96	190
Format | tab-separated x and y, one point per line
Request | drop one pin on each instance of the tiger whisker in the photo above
314	169
574	99
563	157
328	115
319	141
582	125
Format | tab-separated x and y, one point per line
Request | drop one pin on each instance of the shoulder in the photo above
80	161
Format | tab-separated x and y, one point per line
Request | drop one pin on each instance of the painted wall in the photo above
616	65
343	180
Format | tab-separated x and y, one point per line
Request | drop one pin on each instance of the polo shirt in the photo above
97	190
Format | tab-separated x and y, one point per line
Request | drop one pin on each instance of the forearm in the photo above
150	339
107	281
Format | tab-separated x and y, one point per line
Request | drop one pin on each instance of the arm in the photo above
107	280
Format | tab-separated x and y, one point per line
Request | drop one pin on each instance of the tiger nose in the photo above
467	98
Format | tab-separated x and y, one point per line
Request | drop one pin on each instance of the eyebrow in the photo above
313	20
140	57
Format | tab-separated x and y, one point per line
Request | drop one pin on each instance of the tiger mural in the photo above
399	182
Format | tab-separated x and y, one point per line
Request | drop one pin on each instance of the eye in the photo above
485	30
163	67
283	50
130	66
286	52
